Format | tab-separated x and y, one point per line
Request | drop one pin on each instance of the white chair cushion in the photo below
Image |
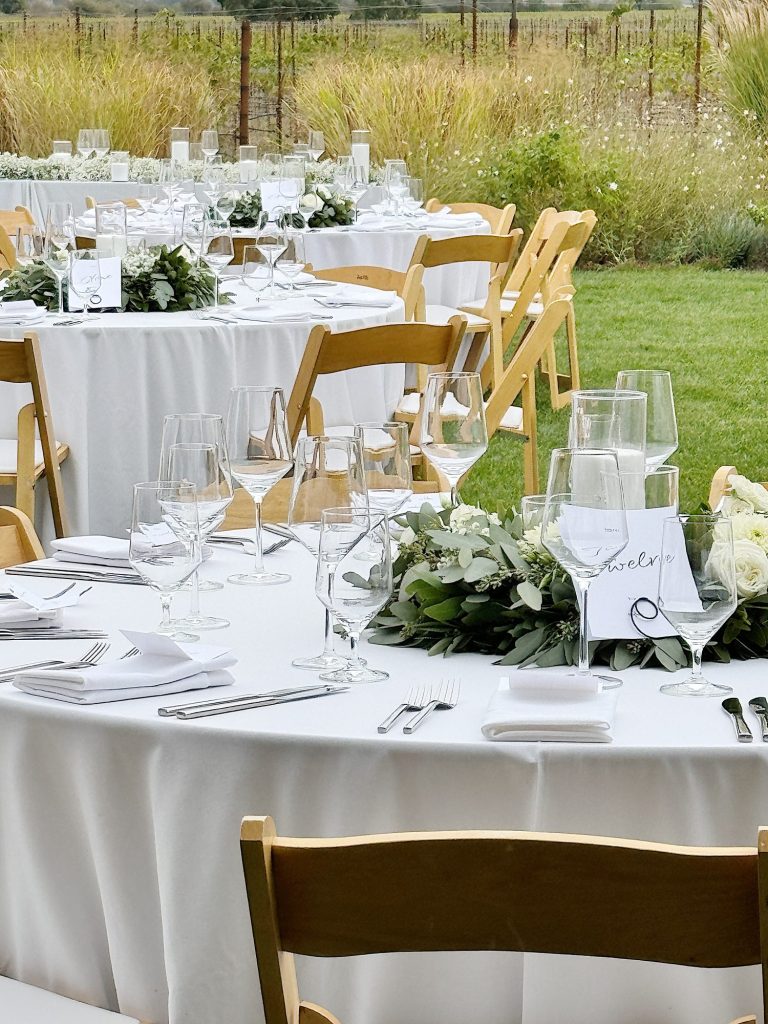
410	404
24	1004
508	304
345	431
511	420
8	452
442	314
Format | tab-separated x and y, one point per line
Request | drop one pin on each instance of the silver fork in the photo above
129	654
444	699
415	700
90	659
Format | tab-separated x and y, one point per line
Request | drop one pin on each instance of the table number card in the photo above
283	193
632	577
110	289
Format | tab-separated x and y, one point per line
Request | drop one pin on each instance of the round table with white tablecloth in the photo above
120	875
111	381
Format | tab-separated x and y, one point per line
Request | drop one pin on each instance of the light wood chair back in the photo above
84	242
424	344
407	283
129	202
498	250
7	251
10	222
21	363
518	381
18	540
516	891
721	485
500	218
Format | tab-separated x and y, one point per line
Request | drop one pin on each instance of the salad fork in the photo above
90	659
444	699
415	700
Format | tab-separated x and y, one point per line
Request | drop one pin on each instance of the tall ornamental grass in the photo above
741	28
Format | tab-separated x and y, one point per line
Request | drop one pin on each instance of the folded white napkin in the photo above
32	609
163	666
549	707
109	551
271	316
447	219
361	295
23	311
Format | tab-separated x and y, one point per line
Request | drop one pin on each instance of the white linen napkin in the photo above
22	312
362	296
163	666
549	708
446	219
32	609
109	551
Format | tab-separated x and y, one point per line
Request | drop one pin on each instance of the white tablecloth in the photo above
120	877
38	195
113	379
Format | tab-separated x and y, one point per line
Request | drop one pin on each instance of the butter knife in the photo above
246	705
732	707
759	706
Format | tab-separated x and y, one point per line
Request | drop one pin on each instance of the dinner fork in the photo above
444	699
129	654
90	659
415	700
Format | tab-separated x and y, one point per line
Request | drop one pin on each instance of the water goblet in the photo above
218	249
386	452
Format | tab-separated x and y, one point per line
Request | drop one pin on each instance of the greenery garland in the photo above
331	211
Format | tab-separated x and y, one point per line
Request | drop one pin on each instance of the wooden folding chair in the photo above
129	202
24	459
518	380
524	892
26	1004
10	222
499	218
721	485
18	540
407	283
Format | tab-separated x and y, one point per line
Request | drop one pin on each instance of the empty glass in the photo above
30	245
328	473
260	455
453	434
254	272
609	418
293	260
661	423
218	249
85	142
101	143
584	527
353	592
292	182
162	554
193	221
209	143
316	145
697	590
387	464
532	512
84	279
271	242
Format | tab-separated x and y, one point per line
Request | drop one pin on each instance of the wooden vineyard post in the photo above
513	30
697	63
474	30
279	59
461	29
651	44
245	82
77	30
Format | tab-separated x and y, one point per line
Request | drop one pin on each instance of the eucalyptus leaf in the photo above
530	594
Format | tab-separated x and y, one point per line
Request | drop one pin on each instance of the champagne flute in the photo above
209	142
697	590
200	465
218	249
328	473
453	434
260	455
661	439
271	243
352	593
85	278
387	464
584	528
163	555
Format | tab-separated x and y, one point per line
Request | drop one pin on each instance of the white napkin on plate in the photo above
109	551
163	666
22	312
549	707
271	316
362	296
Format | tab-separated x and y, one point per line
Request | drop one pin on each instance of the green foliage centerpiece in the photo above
329	211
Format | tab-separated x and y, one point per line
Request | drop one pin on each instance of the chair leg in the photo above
568	382
25	461
530	448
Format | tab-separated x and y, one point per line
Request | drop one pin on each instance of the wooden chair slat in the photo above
18	540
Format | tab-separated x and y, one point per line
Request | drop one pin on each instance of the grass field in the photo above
708	328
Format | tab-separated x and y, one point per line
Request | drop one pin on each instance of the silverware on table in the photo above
732	707
7	674
444	699
759	705
246	705
90	659
248	545
415	700
80	575
173	709
52	633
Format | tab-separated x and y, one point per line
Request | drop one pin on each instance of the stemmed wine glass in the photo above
85	278
260	455
453	434
610	418
697	590
193	221
254	270
85	142
352	593
387	464
293	260
584	527
101	143
328	473
217	249
30	245
209	143
163	555
271	243
59	241
661	423
316	145
396	182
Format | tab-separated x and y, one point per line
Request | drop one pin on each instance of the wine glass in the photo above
164	556
146	193
195	428
253	272
85	142
328	472
609	418
271	243
356	186
386	451
225	205
661	423
30	245
293	174
453	434
352	592
293	260
59	241
316	145
260	455
697	590
218	249
101	143
532	513
209	142
584	527
193	221
85	278
201	465
396	182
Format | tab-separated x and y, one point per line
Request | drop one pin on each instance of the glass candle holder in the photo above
180	145
120	165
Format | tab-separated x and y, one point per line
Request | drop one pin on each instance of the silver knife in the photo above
238	698
759	705
732	707
245	705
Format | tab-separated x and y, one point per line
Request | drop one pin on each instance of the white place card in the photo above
280	192
109	291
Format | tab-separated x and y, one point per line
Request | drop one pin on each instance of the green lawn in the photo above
709	328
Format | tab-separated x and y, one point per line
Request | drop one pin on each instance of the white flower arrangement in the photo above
747	511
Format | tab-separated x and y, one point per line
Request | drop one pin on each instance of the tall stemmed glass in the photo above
254	270
162	554
453	435
271	243
294	259
351	592
697	590
209	143
196	428
387	463
316	145
59	241
260	455
193	221
101	142
200	465
661	439
328	473
30	245
584	527
218	249
609	418
85	278
85	142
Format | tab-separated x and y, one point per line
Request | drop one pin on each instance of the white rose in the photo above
407	536
312	201
751	568
751	526
755	494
